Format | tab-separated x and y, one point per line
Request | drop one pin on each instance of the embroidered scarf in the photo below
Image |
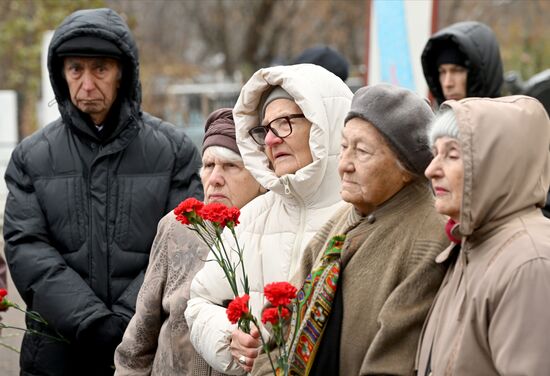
312	308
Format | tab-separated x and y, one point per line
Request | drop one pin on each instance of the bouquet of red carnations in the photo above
209	221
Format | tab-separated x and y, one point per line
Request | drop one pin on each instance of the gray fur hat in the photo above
401	116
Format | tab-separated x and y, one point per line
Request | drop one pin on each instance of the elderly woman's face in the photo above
227	182
287	155
368	167
446	172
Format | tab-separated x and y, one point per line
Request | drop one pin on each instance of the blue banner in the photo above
395	57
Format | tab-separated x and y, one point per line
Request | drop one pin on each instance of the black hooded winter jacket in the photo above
83	208
478	42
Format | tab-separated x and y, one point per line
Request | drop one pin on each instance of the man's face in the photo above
453	79
93	84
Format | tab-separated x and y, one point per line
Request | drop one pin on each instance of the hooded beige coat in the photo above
491	315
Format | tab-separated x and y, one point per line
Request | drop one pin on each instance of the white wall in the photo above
8	139
48	111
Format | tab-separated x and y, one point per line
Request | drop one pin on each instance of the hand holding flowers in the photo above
279	295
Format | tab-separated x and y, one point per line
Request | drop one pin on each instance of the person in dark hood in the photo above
463	60
326	57
85	195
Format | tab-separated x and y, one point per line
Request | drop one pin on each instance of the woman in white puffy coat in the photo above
300	171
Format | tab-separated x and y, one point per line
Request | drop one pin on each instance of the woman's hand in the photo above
244	347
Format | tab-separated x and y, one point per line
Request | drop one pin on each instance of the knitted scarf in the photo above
312	308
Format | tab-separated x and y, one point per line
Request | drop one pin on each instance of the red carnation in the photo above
279	293
215	212
233	215
271	315
188	209
188	205
238	308
3	304
183	219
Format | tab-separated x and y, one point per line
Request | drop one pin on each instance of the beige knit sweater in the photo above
156	341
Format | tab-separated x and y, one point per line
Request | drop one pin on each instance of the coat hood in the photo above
506	153
105	24
325	101
478	42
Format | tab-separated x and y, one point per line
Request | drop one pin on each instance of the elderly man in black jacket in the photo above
85	195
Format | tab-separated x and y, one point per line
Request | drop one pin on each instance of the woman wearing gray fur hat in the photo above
368	276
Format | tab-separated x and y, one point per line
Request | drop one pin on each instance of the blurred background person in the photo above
369	275
156	341
288	121
326	57
490	173
463	60
85	196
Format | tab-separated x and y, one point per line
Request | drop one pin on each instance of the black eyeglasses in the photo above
281	127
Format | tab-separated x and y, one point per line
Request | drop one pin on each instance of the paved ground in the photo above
9	360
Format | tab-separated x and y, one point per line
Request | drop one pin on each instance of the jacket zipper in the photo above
90	215
107	246
90	218
296	248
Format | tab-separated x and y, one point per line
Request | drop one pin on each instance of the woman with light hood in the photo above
288	121
490	174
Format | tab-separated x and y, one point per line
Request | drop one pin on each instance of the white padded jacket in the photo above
275	227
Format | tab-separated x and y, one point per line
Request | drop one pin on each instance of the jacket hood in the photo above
506	153
105	24
325	101
478	42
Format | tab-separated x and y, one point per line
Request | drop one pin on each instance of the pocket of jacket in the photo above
62	199
141	202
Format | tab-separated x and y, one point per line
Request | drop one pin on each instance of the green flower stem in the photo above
219	260
31	314
9	347
244	324
231	267
280	338
264	345
35	332
241	261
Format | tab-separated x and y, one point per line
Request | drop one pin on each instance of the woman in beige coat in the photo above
490	174
156	341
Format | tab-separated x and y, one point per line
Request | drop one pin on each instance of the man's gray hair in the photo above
443	125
